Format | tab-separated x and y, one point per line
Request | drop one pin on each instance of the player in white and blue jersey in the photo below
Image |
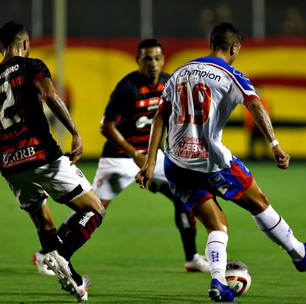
196	104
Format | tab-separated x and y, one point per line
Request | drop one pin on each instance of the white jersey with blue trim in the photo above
202	95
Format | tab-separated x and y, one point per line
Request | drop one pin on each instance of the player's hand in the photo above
281	157
139	159
76	149
144	176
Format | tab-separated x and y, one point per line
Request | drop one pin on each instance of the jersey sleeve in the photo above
118	103
167	95
243	90
37	70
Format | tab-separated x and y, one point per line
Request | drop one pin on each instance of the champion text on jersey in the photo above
198	73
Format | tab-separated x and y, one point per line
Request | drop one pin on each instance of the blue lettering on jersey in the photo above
239	76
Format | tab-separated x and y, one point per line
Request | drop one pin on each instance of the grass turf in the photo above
136	256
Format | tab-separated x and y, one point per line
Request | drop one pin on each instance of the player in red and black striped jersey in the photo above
131	108
126	124
25	139
33	164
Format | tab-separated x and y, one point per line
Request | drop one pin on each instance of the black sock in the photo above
69	223
86	223
49	240
186	224
77	278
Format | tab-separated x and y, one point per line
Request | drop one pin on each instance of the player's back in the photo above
25	140
203	93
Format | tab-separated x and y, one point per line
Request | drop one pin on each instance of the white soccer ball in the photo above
238	277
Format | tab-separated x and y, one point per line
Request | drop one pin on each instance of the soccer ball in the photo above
238	277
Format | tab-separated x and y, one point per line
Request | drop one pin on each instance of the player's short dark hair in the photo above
10	32
224	35
147	43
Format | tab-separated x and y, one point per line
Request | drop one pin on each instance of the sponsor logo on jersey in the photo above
192	150
151	108
147	102
79	173
18	157
143	122
241	75
200	74
9	71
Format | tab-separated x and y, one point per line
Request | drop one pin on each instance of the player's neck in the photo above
12	51
222	55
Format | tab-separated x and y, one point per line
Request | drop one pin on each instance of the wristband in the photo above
274	143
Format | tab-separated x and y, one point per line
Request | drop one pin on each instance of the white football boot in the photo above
37	260
199	263
60	267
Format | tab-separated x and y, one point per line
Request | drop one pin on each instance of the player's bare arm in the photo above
59	109
145	174
109	130
262	120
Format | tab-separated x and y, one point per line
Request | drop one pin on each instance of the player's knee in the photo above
100	208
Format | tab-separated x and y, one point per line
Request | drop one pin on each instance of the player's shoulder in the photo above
129	79
33	63
222	65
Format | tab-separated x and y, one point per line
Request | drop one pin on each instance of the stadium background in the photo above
102	39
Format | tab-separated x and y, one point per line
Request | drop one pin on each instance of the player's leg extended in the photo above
272	224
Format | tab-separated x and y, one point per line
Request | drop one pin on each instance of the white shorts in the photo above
62	181
115	174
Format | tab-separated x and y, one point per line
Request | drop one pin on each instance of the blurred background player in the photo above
195	108
126	124
33	164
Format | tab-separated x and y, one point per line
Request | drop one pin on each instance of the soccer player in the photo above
126	124
33	164
196	103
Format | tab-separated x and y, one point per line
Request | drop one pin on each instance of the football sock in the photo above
49	240
186	224
216	255
278	231
69	222
87	222
77	278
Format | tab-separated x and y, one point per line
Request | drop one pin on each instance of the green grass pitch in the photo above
136	256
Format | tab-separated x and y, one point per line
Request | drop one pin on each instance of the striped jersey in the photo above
202	95
25	139
133	105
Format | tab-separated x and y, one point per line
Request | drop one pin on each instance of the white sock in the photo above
278	231
216	255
